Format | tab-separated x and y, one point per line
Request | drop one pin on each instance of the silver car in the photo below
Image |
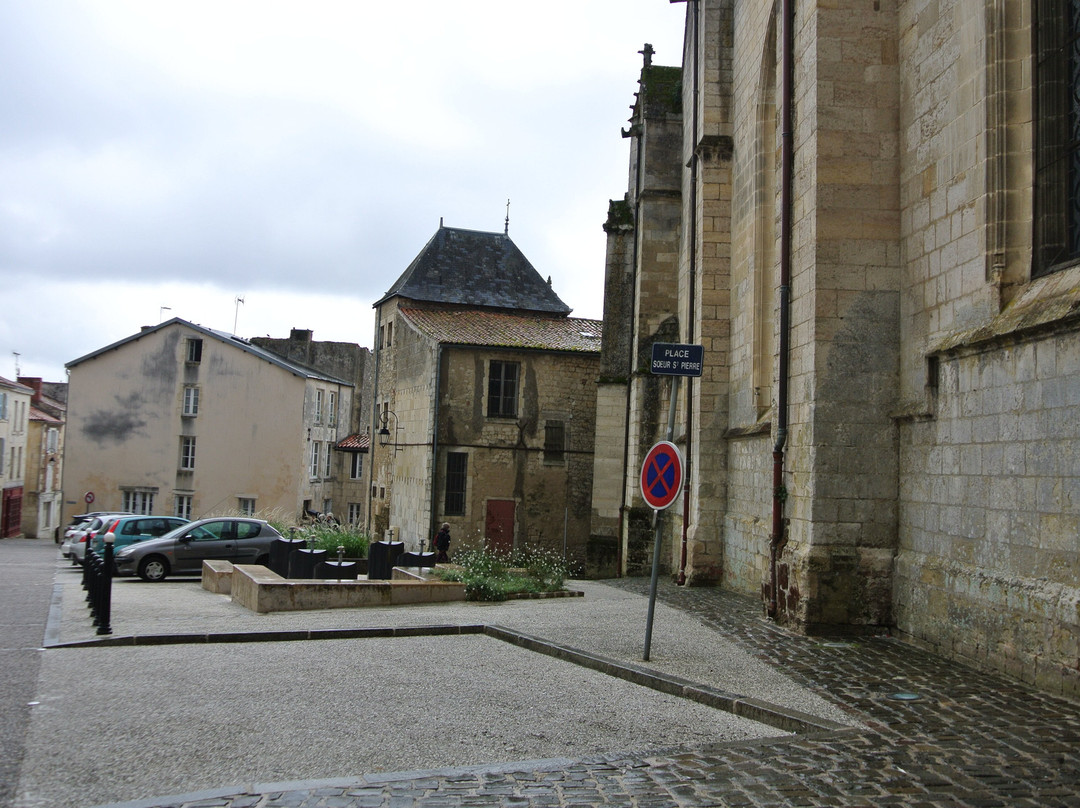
84	534
182	551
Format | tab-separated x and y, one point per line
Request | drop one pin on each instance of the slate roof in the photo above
288	365
474	268
503	330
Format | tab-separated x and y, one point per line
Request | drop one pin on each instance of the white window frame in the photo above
139	502
356	512
182	505
357	466
187	453
191	400
314	466
331	415
318	406
246	506
328	463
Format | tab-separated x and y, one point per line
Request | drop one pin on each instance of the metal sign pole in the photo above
657	523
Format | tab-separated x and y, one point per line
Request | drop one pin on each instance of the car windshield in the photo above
176	532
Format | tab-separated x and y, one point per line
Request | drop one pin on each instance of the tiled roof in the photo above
473	268
354	443
496	329
41	415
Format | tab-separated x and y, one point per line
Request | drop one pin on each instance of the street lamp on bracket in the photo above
386	437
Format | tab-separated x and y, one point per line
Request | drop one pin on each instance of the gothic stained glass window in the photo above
1057	135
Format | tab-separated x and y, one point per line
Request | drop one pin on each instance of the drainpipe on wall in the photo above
777	541
374	420
693	287
432	530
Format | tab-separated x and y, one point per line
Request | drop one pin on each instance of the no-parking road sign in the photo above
662	475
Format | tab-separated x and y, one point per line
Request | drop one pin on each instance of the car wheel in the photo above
153	568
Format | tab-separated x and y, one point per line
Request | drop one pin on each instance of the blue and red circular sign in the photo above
662	475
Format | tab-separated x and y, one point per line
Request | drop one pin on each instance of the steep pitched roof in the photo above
502	330
288	365
473	268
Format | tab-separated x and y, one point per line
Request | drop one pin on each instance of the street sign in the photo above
662	475
89	497
674	359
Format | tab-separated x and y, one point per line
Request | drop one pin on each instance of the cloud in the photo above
192	152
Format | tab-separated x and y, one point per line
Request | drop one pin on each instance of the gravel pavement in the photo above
136	722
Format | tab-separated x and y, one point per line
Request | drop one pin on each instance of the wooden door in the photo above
499	525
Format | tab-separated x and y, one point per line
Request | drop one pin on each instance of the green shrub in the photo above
330	537
491	576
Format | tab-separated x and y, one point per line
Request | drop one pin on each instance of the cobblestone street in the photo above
965	739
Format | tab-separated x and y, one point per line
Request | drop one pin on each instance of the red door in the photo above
499	525
11	507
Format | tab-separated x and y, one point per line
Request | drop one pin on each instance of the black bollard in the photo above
104	612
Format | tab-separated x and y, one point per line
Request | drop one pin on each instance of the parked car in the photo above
241	541
82	537
78	525
132	529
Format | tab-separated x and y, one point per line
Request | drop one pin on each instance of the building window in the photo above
3	406
328	507
187	454
52	441
246	506
554	441
191	400
357	470
457	466
356	513
194	350
182	506
1057	135
502	389
331	415
318	406
315	458
140	502
389	334
329	460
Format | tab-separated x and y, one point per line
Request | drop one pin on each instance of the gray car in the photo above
182	551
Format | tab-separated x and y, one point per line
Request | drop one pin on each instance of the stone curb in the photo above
756	710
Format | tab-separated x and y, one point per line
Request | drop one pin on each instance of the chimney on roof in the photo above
34	383
300	335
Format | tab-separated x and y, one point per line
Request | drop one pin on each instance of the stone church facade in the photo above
870	219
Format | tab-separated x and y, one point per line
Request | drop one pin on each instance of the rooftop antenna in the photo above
18	373
236	301
160	310
506	225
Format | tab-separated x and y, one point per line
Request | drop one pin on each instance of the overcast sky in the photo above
163	159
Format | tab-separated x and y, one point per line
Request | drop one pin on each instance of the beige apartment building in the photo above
184	420
865	211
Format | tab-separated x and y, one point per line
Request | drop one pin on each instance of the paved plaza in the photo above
255	722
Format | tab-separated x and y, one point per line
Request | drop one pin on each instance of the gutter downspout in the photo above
777	540
435	444
692	294
374	419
